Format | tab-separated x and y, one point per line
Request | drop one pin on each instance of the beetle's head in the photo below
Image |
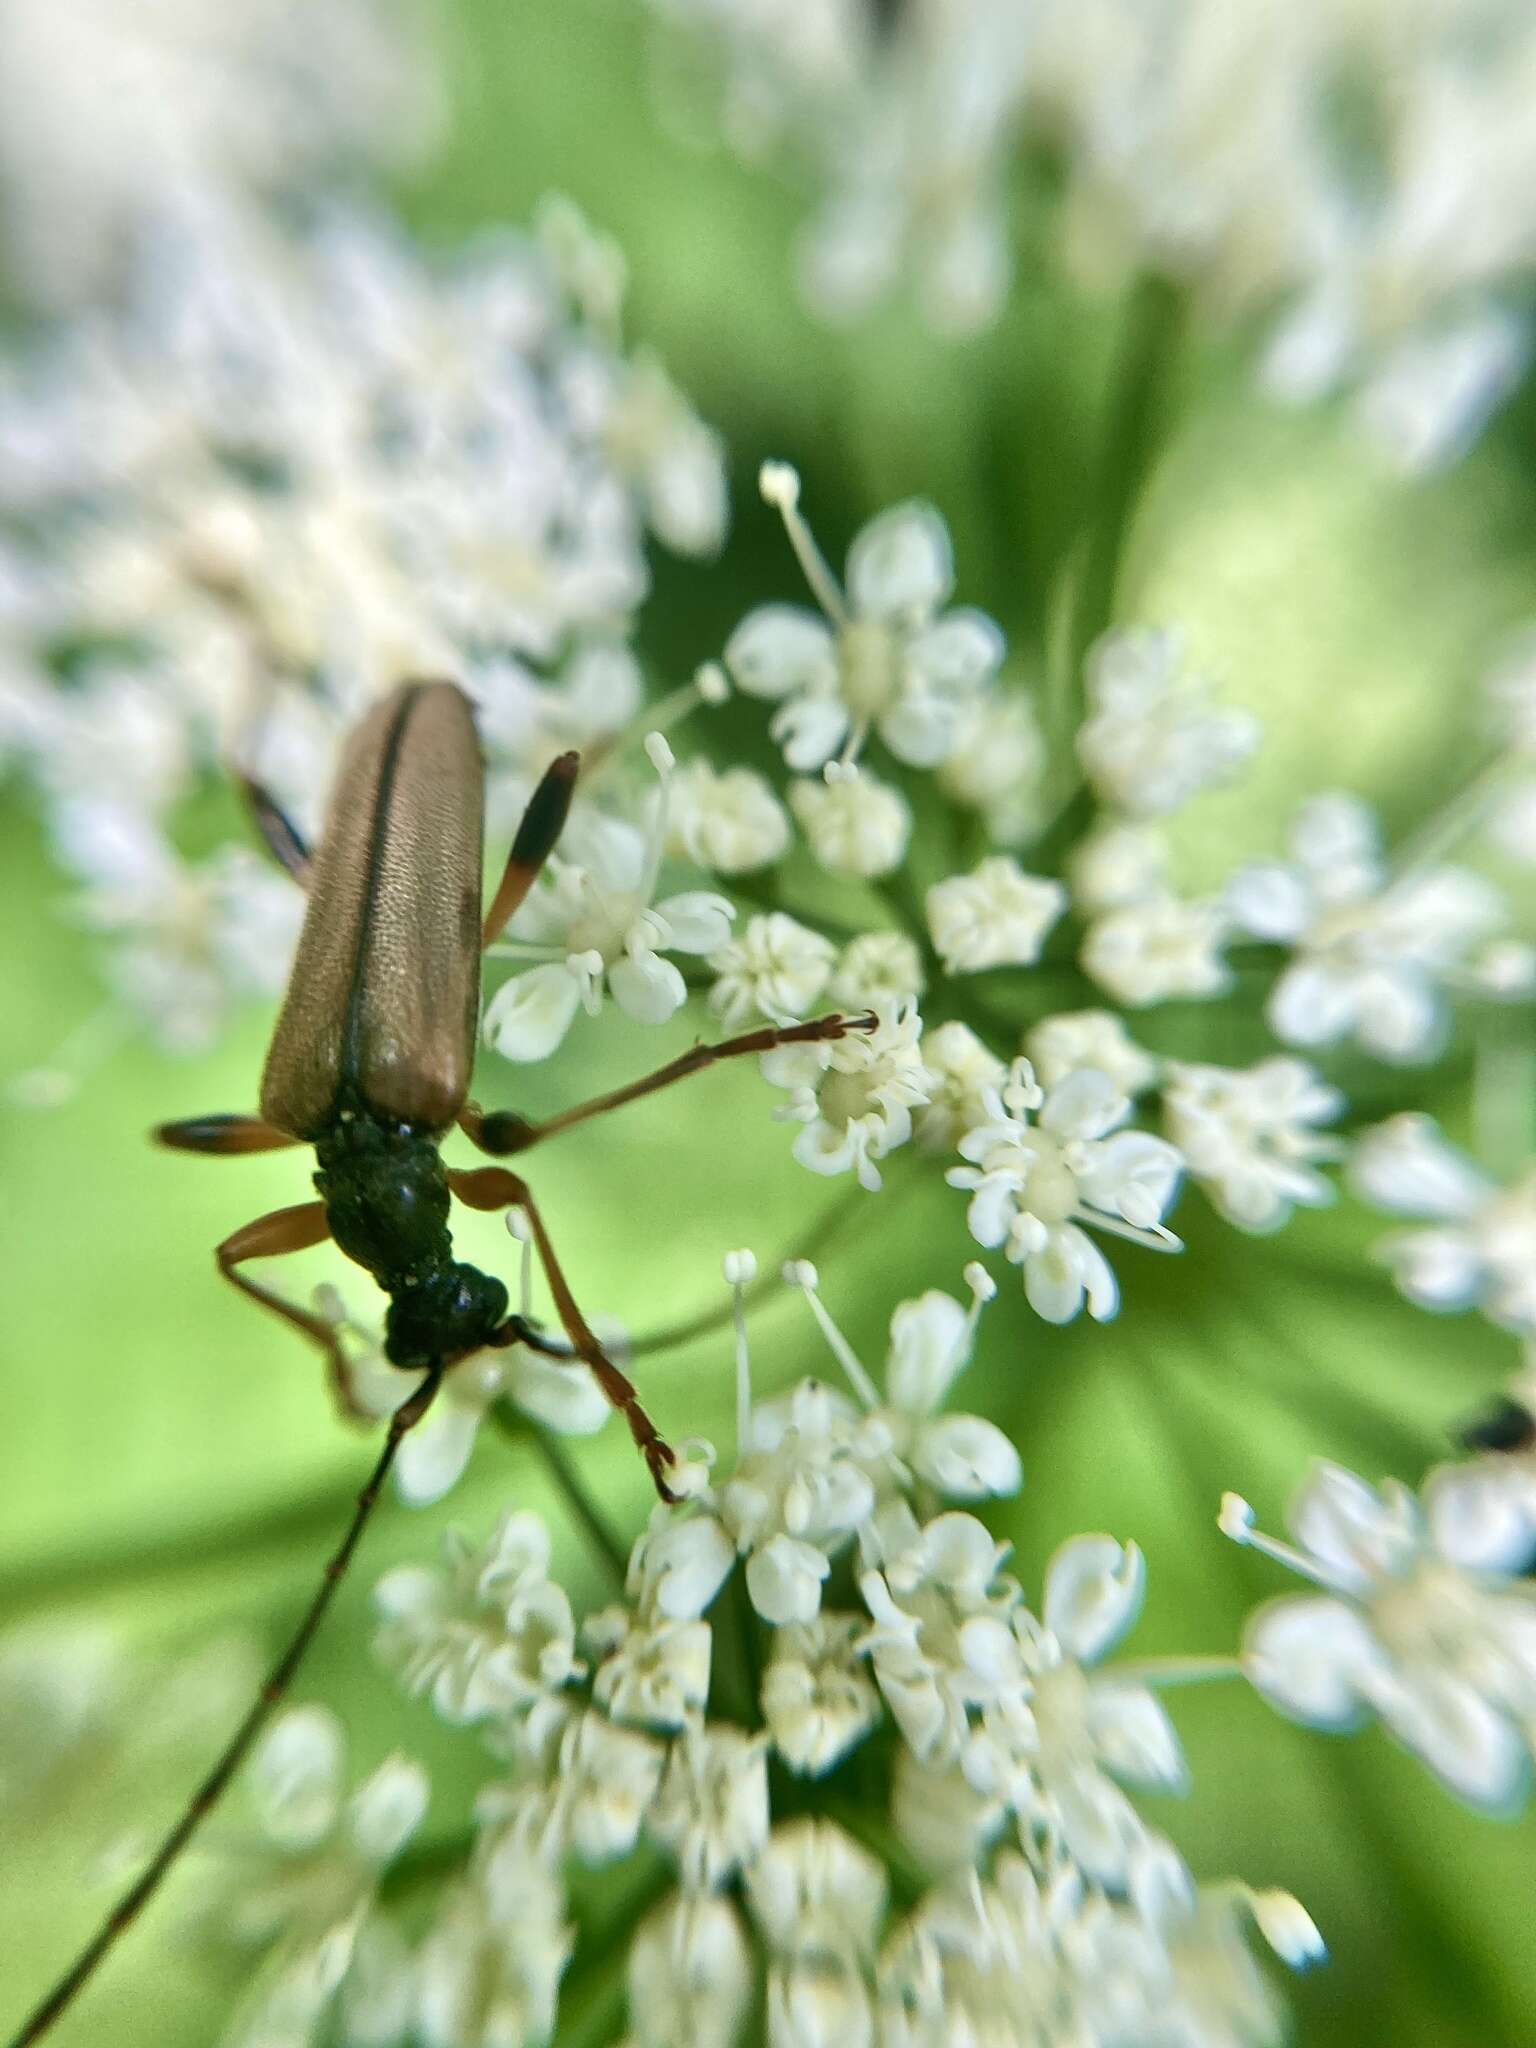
444	1315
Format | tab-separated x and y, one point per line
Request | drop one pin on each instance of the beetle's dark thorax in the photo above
385	1191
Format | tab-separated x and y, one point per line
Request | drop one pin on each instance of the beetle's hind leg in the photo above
222	1134
269	1237
493	1187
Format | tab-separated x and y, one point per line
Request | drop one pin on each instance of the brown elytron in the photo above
370	1063
385	987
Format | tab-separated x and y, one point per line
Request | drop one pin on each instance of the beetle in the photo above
370	1065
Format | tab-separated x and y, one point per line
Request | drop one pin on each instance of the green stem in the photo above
1454	819
423	1863
1132	425
567	1483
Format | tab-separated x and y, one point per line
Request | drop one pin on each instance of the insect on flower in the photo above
370	1064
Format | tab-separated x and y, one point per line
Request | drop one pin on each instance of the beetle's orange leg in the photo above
492	1187
222	1134
535	839
503	1132
282	836
269	1237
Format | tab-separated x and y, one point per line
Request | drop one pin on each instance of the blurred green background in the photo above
168	1462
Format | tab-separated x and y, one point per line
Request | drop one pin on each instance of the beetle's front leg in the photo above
269	1237
492	1187
503	1132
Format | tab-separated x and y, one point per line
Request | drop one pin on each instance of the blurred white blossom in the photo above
1480	1247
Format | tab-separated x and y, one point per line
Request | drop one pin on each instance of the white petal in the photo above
1313	1658
1269	900
432	1458
1094	1588
1408	1167
1311	1004
928	1348
529	1015
1133	1736
387	1809
1084	1105
900	566
1482	1515
1438	1269
810	728
781	648
959	652
966	1458
699	921
784	1580
1354	1531
409	1592
1053	1286
647	988
990	1212
1132	1175
296	1775
1401	1016
1464	1739
1099	1825
564	1398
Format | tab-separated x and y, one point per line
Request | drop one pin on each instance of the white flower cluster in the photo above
617	1731
1357	176
282	477
1425	1616
111	113
1480	1247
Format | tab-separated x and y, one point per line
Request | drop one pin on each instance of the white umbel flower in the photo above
854	1096
652	1673
1480	1249
997	916
1406	1626
1059	1045
877	967
853	824
1117	865
690	1975
963	1457
1153	739
307	1882
1249	1136
775	967
960	1070
1056	1738
886	656
597	924
935	1604
800	1490
818	1699
491	1965
997	767
1370	955
1034	1184
816	1892
583	1788
712	1809
1158	949
728	820
490	1636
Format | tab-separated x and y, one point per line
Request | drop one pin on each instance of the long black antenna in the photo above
144	1887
